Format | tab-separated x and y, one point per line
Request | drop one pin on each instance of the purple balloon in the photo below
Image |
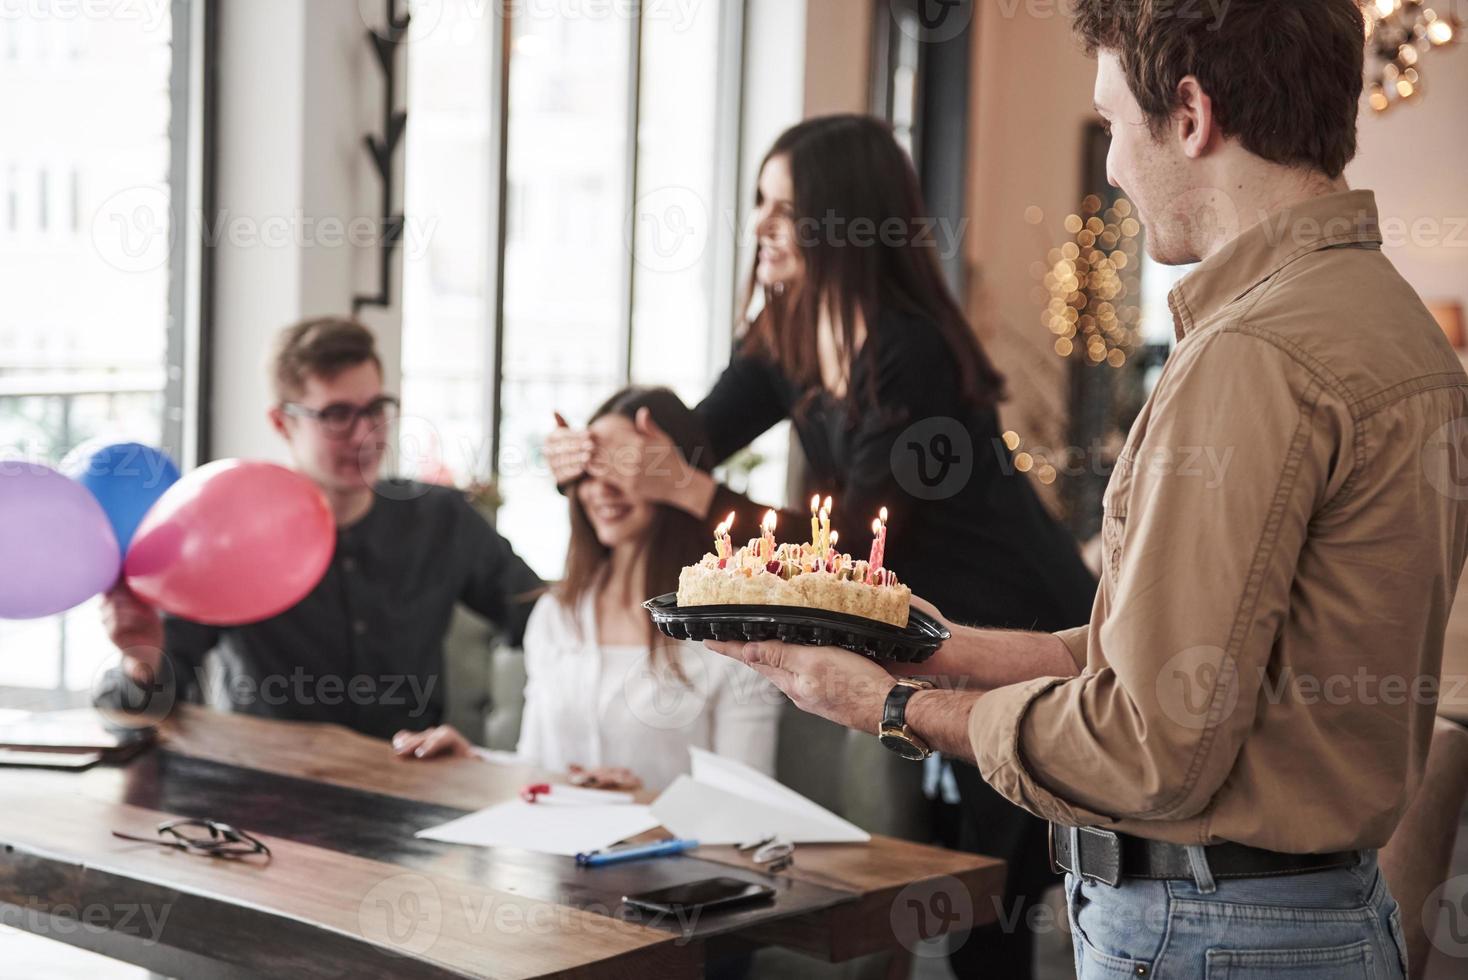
57	548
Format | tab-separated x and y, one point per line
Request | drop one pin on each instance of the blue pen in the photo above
662	848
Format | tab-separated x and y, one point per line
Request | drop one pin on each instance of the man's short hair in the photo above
1285	78
321	348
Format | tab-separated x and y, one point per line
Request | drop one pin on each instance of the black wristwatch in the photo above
894	732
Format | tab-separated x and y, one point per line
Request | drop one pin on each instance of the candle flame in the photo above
827	507
815	504
729	523
883	515
769	522
835	536
876	527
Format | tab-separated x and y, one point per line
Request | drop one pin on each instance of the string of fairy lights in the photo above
1090	288
1398	32
1030	461
1093	284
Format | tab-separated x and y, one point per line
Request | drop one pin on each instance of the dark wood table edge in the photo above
209	936
197	934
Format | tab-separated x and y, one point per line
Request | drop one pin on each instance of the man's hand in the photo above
986	659
443	742
946	661
137	630
840	686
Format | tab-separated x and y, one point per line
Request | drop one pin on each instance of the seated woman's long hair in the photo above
674	539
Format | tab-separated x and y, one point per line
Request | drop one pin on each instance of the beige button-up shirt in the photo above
1283	536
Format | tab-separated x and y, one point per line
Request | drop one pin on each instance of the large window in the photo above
94	323
611	241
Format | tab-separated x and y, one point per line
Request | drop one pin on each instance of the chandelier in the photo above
1397	33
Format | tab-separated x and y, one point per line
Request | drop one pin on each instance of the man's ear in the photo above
278	422
1193	120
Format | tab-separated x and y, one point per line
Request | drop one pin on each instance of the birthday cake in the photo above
814	575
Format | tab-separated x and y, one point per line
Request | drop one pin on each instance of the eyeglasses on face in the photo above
202	837
340	418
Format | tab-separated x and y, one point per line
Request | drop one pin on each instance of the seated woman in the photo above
608	698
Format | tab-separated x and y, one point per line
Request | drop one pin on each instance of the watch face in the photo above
903	746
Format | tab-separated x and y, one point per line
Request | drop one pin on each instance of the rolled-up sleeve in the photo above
1076	641
1239	449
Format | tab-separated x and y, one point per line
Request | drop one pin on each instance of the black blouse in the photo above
965	530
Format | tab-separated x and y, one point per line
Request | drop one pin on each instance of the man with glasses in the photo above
365	648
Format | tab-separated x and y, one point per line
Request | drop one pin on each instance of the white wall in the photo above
299	87
1416	159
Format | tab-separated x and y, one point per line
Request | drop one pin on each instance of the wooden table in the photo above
350	892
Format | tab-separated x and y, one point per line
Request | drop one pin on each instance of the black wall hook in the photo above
384	149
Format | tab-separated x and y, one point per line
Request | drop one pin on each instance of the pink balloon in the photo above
232	543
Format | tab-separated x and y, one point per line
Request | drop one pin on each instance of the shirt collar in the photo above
1281	237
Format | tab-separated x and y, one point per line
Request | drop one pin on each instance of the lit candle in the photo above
815	526
835	536
882	516
728	544
767	539
879	541
826	526
719	540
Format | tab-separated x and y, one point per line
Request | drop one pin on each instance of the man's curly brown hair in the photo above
1285	77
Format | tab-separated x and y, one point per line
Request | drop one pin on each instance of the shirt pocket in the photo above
1114	517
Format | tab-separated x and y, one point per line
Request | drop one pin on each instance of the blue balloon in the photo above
127	478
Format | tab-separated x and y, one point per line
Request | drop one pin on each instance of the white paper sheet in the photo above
565	829
726	802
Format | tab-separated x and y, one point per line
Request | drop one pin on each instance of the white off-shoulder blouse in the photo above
590	704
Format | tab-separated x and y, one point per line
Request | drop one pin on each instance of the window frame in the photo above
190	295
729	140
193	146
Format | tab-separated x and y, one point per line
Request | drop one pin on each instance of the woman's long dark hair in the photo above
674	539
846	169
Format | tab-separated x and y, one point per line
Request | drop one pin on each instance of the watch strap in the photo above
894	711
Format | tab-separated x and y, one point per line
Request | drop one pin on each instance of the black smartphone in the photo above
701	896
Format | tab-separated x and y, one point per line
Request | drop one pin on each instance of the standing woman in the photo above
860	343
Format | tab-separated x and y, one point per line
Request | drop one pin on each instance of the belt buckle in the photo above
1113	844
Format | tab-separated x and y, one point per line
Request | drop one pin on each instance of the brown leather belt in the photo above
1109	857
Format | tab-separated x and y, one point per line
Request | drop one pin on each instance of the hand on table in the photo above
443	742
835	684
606	777
137	630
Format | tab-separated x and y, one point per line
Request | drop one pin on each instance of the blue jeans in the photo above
1327	925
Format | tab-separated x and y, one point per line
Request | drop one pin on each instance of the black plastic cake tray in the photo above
798	624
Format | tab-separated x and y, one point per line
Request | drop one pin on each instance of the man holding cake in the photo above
1213	816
